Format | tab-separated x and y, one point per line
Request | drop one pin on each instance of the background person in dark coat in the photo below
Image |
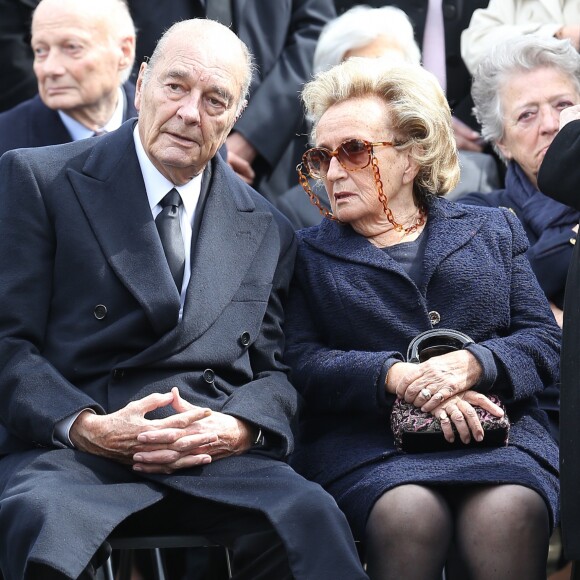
124	391
559	177
83	54
16	76
365	286
270	136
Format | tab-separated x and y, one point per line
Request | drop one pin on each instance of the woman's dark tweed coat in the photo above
352	307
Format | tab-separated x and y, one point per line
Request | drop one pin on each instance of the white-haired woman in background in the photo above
367	32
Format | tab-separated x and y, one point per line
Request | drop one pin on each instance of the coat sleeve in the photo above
34	395
331	380
550	258
559	175
529	350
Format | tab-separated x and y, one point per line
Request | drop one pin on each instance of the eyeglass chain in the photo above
315	200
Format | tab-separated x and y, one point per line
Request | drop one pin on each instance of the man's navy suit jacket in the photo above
90	318
93	304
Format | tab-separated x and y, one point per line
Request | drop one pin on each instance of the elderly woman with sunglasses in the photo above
392	260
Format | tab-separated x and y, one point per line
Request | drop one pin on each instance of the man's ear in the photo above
139	85
127	46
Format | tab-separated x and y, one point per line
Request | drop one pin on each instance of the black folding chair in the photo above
156	544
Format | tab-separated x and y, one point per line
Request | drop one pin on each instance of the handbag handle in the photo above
435	342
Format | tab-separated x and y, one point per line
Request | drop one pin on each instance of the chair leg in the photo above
228	562
108	568
159	569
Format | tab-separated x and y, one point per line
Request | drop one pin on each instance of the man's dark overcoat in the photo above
16	57
90	320
559	177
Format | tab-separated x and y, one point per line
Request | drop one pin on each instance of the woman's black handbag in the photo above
416	431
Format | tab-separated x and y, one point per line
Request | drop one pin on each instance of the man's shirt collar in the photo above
79	131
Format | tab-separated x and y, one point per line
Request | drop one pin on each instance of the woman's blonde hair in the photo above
419	118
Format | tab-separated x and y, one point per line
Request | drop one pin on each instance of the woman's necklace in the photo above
419	221
399	232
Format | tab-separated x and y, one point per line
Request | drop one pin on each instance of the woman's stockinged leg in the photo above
408	534
502	532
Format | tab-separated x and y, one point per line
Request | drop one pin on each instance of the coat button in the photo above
208	376
434	317
118	374
245	338
449	11
100	311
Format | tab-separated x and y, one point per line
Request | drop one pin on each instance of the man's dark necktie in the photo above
167	222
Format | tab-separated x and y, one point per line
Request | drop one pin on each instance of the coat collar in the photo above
111	191
445	227
46	126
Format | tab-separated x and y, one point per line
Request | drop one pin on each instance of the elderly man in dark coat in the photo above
83	54
140	375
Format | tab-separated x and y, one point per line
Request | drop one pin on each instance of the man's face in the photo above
76	62
188	103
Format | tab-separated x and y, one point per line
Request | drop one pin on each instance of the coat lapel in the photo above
447	233
112	193
342	242
230	234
